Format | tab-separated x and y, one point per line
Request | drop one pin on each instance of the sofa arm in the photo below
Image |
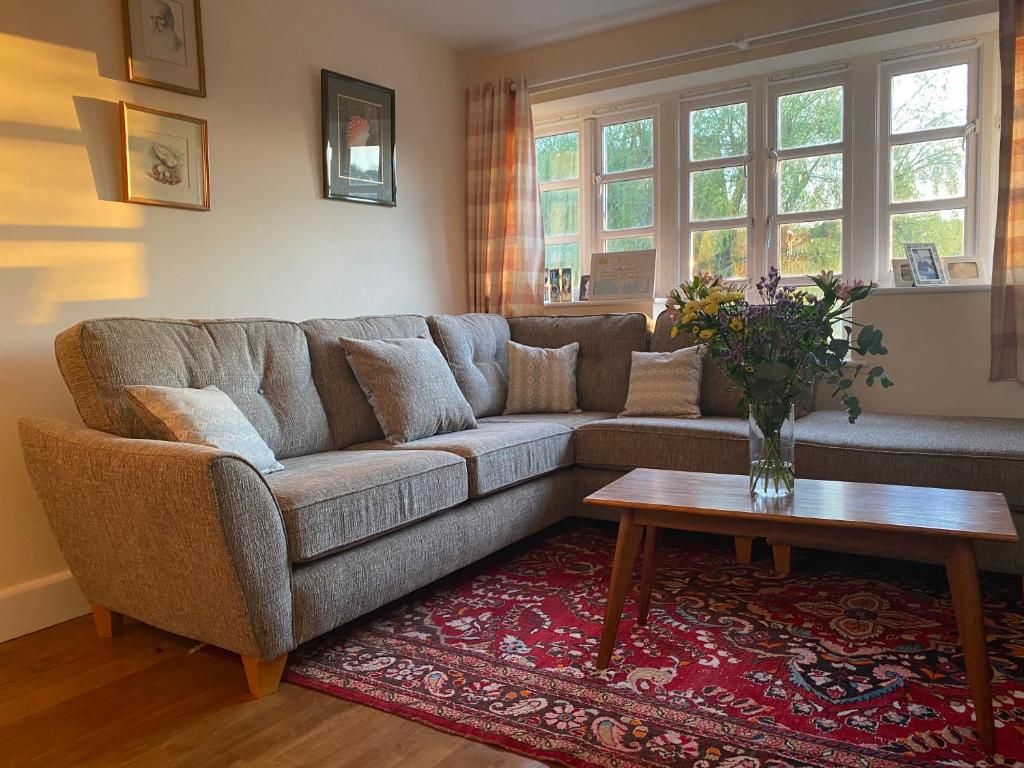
184	537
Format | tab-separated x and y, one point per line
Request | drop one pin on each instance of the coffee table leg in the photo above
652	538
625	558
744	549
783	556
962	572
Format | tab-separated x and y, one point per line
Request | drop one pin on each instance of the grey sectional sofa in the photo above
197	542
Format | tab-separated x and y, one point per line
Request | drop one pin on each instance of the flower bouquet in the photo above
775	349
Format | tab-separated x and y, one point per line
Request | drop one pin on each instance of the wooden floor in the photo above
147	698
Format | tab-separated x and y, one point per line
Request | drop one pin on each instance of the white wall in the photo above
270	246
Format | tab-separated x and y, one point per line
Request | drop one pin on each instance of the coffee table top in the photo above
935	511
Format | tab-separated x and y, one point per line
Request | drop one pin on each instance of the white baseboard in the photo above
38	604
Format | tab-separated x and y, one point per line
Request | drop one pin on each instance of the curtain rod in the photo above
743	43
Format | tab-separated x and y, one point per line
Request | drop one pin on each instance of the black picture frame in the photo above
357	115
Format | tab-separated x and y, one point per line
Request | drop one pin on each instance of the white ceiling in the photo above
500	26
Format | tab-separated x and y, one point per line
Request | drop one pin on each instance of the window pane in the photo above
811	183
629	204
559	255
807	249
560	210
558	157
720	193
718	132
934	98
928	170
642	243
628	146
944	228
720	251
811	118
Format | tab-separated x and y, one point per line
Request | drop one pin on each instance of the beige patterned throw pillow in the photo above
541	380
204	417
665	384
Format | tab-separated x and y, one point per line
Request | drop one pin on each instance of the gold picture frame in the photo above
166	158
183	59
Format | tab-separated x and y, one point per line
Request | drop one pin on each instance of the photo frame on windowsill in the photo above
965	270
902	276
925	264
623	275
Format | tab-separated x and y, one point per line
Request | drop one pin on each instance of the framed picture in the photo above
925	264
901	273
584	287
566	284
163	44
166	158
359	140
622	275
964	270
554	285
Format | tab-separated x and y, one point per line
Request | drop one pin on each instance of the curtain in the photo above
1008	258
505	239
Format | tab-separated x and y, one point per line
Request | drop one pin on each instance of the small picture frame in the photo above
902	275
584	287
166	158
358	126
554	283
566	284
623	275
964	270
925	264
163	44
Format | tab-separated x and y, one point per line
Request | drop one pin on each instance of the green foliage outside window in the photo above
558	157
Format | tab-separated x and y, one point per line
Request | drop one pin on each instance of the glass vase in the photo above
772	473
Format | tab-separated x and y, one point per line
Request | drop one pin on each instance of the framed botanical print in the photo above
166	158
358	123
163	44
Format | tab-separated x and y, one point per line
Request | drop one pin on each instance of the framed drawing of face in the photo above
925	264
358	123
166	159
163	44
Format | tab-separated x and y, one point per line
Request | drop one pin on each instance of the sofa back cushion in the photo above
349	413
606	345
262	365
474	346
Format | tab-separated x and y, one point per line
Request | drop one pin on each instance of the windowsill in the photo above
896	290
602	303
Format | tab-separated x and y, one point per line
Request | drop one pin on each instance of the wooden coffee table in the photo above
888	520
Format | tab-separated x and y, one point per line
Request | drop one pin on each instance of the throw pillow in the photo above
474	346
202	416
410	387
541	380
665	384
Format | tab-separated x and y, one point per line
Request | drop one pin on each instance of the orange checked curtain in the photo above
1008	258
505	241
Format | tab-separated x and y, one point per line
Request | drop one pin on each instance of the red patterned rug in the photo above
847	662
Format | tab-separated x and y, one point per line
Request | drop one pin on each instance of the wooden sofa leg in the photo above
108	623
744	549
783	556
263	676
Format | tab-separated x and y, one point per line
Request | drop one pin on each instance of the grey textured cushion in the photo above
262	365
474	346
204	417
571	420
499	454
718	395
665	384
410	387
541	380
606	342
348	411
338	499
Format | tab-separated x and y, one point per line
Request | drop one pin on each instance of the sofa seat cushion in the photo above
570	420
335	500
498	455
972	453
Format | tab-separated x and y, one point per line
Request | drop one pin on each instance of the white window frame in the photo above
598	232
738	94
904	64
774	156
557	127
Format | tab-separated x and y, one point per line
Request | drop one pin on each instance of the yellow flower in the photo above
693	306
674	332
736	324
733	296
694	329
711	309
707	333
689	317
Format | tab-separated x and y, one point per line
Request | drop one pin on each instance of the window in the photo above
807	189
716	179
626	195
927	166
558	171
